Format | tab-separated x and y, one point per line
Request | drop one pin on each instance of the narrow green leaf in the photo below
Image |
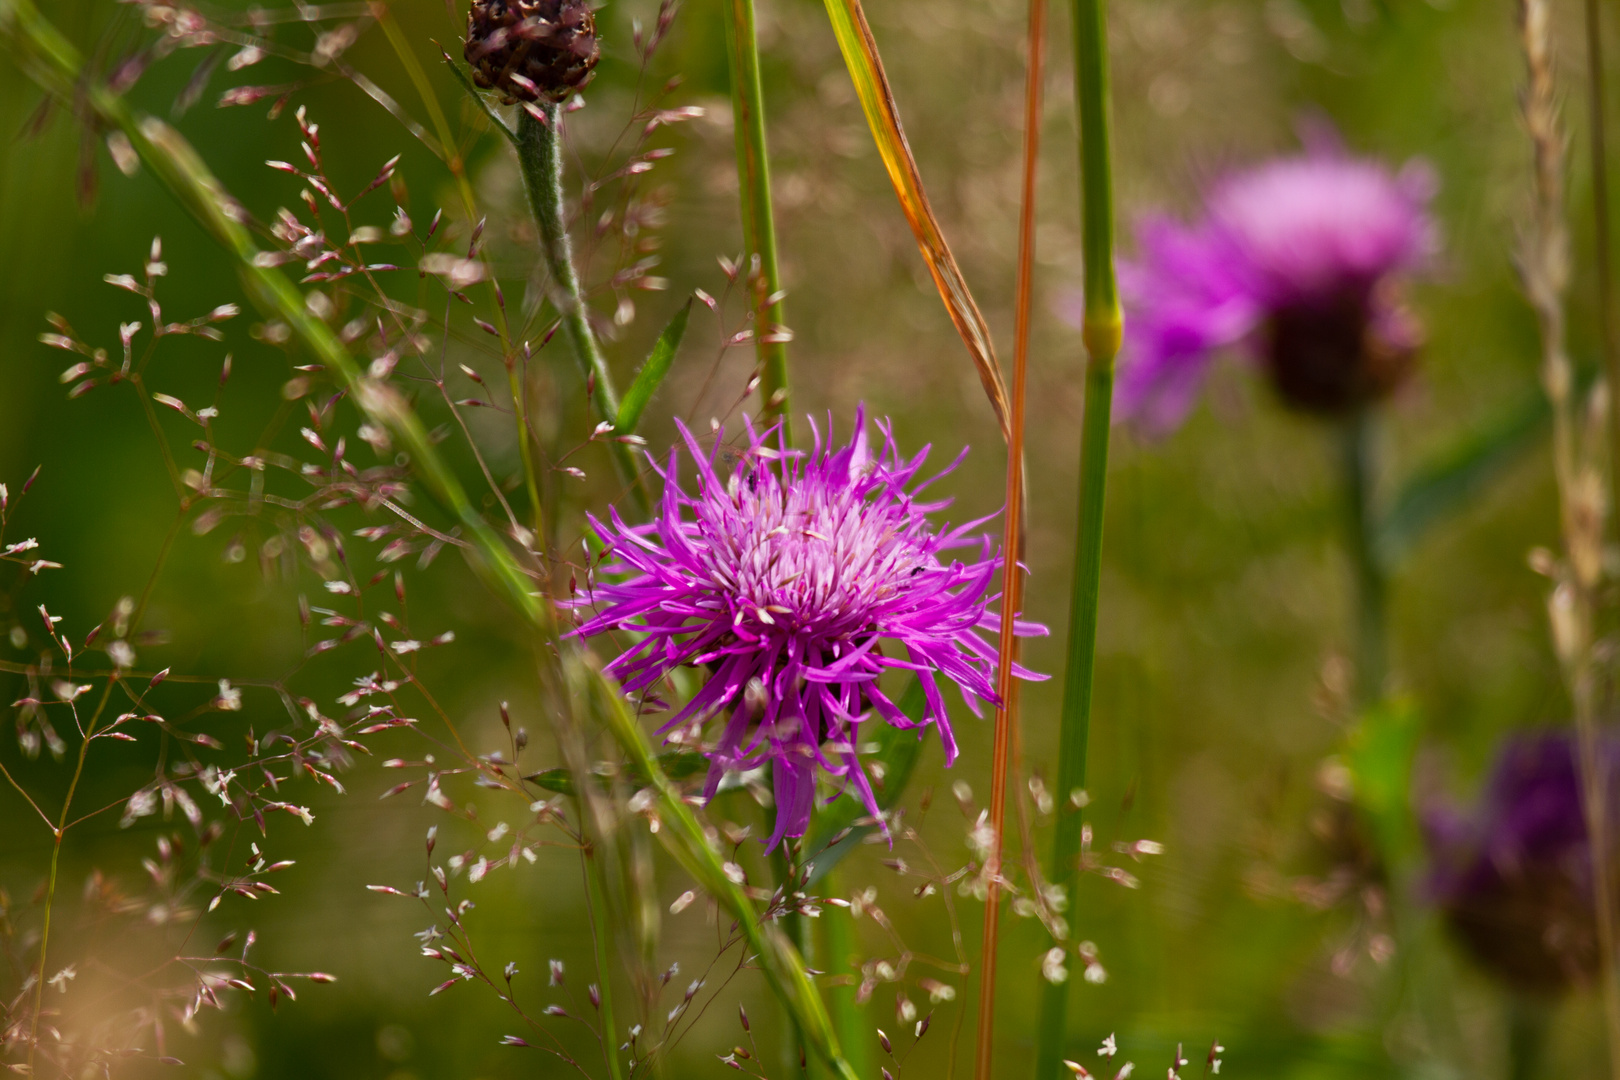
1379	752
652	373
1456	477
898	751
677	765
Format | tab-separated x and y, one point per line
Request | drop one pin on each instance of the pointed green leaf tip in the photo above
652	373
677	765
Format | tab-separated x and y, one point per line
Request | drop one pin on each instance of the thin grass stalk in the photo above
540	158
1012	550
1101	332
1602	263
759	219
50	60
1577	467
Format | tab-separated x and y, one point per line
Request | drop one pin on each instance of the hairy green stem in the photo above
1358	467
540	157
1101	332
759	219
48	58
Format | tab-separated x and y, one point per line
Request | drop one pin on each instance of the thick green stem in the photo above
540	157
1528	1022
838	927
759	220
1078	676
51	61
1101	331
1359	471
597	891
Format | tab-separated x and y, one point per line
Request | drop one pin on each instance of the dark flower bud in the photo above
1516	881
1333	356
531	50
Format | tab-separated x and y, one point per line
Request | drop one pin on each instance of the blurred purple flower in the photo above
782	579
1294	260
1515	878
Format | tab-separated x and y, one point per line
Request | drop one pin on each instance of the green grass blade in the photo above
651	375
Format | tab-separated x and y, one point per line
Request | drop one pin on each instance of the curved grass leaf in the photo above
652	373
1446	485
860	51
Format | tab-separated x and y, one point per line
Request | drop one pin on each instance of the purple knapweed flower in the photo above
797	580
1294	261
1514	879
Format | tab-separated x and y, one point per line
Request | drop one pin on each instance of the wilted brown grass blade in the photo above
877	100
1007	748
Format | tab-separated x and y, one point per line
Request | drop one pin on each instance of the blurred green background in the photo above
1226	601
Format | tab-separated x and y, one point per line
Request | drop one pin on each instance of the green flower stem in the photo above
759	220
1078	676
1101	333
1359	469
838	929
540	158
52	61
696	849
597	891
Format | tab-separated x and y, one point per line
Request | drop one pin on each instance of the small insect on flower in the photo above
1297	261
786	579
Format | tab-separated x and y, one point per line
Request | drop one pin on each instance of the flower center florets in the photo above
811	558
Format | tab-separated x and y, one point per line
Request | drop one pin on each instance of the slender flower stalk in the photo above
1102	326
1012	580
541	160
49	59
1358	464
759	219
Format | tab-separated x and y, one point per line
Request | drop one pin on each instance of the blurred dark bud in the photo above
531	50
1335	357
1515	878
